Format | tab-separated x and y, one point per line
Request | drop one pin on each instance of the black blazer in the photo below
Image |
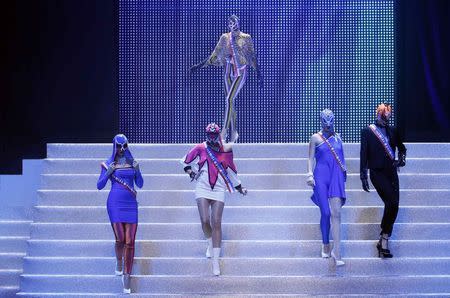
373	155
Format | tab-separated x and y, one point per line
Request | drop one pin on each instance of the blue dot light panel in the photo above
313	55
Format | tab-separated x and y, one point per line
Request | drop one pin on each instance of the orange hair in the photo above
383	108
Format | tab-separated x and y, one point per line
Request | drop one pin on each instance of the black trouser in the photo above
386	183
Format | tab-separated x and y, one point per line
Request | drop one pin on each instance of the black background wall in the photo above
59	65
423	69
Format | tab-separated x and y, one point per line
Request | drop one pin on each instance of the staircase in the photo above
14	234
271	237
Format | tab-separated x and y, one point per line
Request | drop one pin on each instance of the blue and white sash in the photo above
333	152
383	140
221	170
120	181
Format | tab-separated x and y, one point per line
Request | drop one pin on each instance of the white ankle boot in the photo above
326	248
209	248
215	261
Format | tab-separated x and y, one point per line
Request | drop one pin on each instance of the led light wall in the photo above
313	55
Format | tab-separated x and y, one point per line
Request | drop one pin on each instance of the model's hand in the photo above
136	165
310	181
365	185
111	168
242	190
192	175
194	68
401	160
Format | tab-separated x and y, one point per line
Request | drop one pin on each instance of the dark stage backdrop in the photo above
60	65
424	69
314	54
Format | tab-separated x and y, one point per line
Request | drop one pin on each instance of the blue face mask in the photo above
327	120
233	23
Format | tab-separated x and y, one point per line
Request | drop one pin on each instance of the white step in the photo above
236	248
251	181
239	266
239	284
241	214
269	197
244	165
14	244
249	150
239	231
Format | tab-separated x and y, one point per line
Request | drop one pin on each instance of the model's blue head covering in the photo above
121	141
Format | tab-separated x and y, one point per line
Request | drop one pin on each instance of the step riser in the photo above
247	249
11	262
284	166
12	229
288	214
149	295
254	198
13	245
240	231
297	181
103	151
9	279
239	285
254	267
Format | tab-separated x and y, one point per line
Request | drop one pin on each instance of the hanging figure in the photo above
235	52
328	181
123	171
378	143
215	174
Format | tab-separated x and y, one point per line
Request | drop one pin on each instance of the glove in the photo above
111	168
136	165
310	181
365	185
241	190
192	175
401	162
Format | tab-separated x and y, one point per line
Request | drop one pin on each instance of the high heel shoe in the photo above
383	253
325	253
119	270
339	261
126	281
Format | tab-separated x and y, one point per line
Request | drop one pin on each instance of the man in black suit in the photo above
378	143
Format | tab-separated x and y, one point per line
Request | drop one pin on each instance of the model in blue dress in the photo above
123	171
328	180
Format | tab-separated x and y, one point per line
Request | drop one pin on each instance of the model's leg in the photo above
130	236
335	207
227	78
216	211
203	210
216	216
385	190
119	234
230	113
388	190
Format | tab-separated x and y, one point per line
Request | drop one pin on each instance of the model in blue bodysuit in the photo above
328	182
124	172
